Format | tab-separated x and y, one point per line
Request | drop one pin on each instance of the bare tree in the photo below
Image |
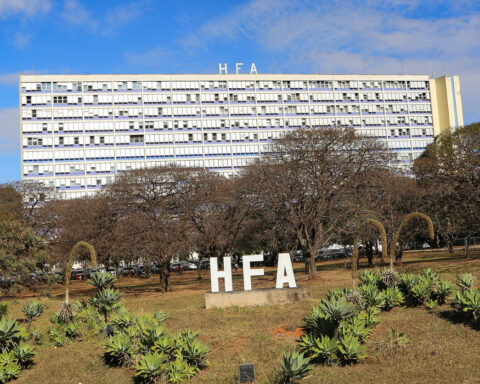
313	177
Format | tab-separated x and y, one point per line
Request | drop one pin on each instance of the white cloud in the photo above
25	7
346	36
75	14
9	130
21	39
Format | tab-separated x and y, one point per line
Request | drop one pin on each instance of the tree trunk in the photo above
199	271
312	270
117	271
165	278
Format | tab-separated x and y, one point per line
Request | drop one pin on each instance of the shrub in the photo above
306	343
372	297
351	350
443	290
32	310
24	354
72	331
151	367
160	316
122	319
431	304
118	350
164	345
294	366
324	349
465	282
7	357
392	297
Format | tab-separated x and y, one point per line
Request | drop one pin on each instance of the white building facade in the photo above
79	131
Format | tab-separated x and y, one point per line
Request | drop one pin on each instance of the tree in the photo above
449	171
215	209
313	177
149	203
21	251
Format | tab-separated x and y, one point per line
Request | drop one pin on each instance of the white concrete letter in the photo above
248	272
253	69
238	67
222	69
216	275
285	271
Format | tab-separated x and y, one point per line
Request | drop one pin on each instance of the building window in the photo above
60	141
136	139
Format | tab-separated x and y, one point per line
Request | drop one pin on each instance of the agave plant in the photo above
9	372
160	316
421	291
108	300
32	310
24	354
429	273
357	327
407	282
179	371
392	297
369	277
306	343
10	334
122	319
72	331
471	303
337	310
443	290
101	280
195	354
317	323
164	345
351	350
118	350
324	349
7	357
372	297
151	335
151	367
466	281
295	366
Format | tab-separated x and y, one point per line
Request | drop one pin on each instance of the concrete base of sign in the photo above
262	296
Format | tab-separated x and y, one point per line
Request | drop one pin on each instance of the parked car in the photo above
112	271
141	271
76	274
175	267
299	257
189	266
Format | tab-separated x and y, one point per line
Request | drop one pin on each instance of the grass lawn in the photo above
440	351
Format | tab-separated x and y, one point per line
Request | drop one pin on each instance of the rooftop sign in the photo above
223	69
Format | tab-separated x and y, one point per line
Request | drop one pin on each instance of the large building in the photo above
79	131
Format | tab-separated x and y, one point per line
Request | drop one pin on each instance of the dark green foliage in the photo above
468	304
195	354
32	310
108	301
369	277
355	326
179	371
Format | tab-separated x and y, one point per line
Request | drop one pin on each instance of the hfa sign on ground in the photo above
285	273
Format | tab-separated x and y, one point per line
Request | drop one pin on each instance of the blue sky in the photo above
191	36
